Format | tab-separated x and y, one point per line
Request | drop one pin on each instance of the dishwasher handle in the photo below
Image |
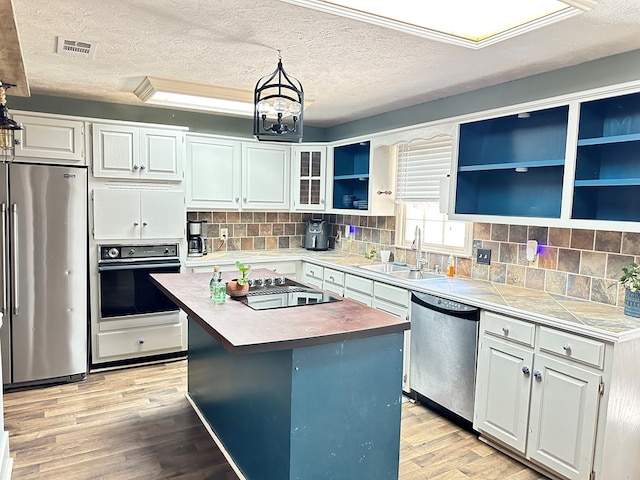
445	306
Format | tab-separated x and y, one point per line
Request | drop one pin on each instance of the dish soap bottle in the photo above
450	267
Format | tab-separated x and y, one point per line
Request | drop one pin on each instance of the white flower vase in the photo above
632	303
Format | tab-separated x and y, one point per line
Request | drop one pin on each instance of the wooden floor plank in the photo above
136	424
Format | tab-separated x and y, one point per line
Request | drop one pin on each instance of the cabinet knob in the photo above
525	370
322	201
140	341
537	374
135	224
567	347
505	330
244	199
144	224
332	279
236	199
136	166
142	167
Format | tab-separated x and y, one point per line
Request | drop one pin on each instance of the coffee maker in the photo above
196	243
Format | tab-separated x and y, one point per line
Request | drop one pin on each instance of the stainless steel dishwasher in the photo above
444	346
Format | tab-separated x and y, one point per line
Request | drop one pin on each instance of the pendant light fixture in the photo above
278	107
8	126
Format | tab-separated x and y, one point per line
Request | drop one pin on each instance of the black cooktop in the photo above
283	293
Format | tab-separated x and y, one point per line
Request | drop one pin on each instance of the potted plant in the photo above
238	287
630	279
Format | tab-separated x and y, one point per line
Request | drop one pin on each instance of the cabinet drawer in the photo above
392	308
359	284
140	341
569	346
508	328
282	268
313	271
333	277
358	297
391	294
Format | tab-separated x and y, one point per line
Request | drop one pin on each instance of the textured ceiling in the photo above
350	69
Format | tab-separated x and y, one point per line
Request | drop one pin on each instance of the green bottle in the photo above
221	290
213	283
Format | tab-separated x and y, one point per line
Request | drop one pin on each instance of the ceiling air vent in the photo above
75	48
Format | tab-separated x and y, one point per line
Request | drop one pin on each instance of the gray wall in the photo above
598	73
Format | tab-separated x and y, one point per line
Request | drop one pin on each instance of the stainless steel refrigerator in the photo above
43	256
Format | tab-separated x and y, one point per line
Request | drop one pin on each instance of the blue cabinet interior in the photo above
513	165
607	181
350	174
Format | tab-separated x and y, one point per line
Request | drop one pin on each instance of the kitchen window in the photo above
423	165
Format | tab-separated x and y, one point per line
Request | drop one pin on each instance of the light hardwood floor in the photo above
136	424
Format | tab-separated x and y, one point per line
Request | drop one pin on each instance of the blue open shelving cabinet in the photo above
513	165
607	180
351	173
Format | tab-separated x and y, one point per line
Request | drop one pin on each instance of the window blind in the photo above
421	165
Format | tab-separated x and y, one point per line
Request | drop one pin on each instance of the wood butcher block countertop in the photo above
240	329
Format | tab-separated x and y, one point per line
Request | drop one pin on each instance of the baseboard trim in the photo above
215	438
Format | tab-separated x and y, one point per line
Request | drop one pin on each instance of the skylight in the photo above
471	23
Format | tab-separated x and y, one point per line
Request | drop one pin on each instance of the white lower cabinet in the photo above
544	407
287	269
140	341
313	275
333	281
358	289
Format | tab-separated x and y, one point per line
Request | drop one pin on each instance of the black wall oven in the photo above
125	289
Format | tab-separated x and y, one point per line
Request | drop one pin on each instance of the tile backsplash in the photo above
579	263
253	230
575	262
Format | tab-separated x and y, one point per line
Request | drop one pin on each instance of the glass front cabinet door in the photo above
309	183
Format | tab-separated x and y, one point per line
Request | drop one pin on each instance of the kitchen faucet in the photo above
417	246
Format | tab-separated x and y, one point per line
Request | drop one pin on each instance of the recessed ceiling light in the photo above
471	23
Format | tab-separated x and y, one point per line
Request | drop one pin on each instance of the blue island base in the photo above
324	412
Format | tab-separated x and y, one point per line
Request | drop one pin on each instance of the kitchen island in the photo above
311	392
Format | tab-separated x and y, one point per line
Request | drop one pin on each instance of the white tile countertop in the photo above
601	321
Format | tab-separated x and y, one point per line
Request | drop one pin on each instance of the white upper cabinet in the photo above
213	172
309	177
50	139
136	153
129	214
266	173
233	175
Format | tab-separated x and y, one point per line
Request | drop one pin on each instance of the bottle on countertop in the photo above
450	267
213	283
221	290
217	288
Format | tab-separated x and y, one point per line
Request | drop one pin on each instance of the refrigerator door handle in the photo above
4	258
14	258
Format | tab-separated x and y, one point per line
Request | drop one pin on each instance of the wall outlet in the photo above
483	257
224	234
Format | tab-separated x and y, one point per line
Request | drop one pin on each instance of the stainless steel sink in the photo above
415	275
401	271
386	268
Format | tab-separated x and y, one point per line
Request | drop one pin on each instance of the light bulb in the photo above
263	107
280	105
295	109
